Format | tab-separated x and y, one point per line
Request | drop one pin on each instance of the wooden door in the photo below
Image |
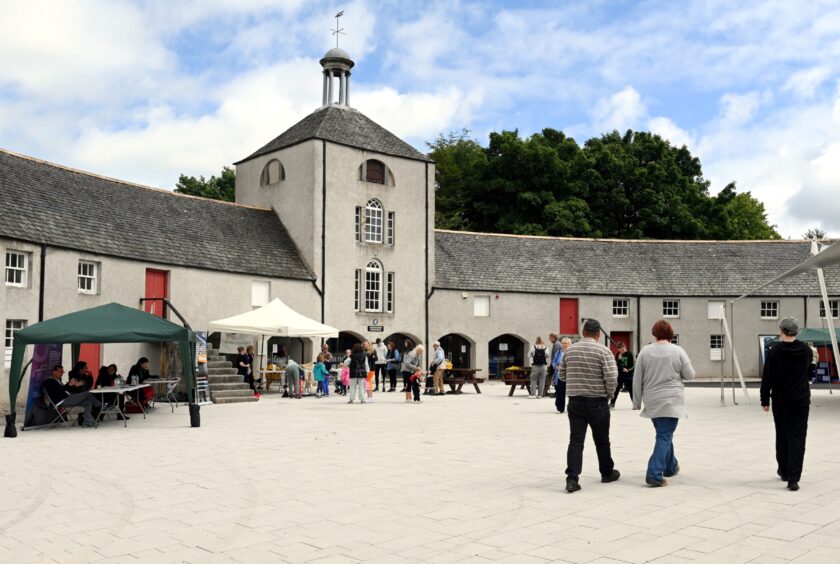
620	337
568	316
92	354
157	286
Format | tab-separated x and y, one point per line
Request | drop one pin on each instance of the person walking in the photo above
589	371
784	384
380	365
358	364
560	385
661	369
538	357
551	350
436	369
626	366
393	366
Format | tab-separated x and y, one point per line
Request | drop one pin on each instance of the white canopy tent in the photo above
274	319
821	257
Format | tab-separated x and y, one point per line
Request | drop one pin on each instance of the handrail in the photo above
168	304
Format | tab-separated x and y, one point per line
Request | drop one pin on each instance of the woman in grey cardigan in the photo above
661	369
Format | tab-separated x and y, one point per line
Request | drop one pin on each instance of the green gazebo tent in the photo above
111	323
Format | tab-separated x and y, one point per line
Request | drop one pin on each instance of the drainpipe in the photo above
323	227
42	277
426	288
638	324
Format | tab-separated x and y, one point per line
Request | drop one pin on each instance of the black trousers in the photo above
380	369
588	412
406	376
625	381
392	378
791	429
415	389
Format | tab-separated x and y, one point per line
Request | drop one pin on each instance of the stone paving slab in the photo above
469	478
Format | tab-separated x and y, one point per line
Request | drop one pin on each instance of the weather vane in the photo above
338	30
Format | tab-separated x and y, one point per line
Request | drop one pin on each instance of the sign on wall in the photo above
232	341
375	328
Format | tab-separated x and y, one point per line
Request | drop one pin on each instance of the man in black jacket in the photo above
62	396
785	380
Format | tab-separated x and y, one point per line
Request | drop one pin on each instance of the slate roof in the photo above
504	263
345	126
46	203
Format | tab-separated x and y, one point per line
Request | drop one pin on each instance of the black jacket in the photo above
54	389
787	370
141	373
357	365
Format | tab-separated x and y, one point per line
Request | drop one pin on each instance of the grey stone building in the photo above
336	217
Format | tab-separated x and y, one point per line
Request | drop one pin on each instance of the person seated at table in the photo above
107	378
80	378
62	396
141	371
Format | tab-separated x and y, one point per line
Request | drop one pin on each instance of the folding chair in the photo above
63	414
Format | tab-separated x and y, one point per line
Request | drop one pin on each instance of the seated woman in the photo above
80	378
139	373
108	377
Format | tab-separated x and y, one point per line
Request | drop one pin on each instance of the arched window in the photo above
272	173
373	286
373	222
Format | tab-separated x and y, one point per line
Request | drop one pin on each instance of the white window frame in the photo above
357	290
17	269
12	327
389	292
87	281
670	305
390	223
834	306
358	224
478	309
620	307
769	309
715	309
260	292
373	286
373	221
716	347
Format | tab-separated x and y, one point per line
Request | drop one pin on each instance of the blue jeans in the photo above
663	462
560	395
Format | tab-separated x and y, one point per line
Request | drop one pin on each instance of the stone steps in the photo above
226	386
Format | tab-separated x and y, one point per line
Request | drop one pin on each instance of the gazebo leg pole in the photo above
10	432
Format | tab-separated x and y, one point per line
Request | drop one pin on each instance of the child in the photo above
414	386
344	381
322	377
369	385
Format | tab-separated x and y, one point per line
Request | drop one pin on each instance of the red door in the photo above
92	354
568	316
620	337
157	286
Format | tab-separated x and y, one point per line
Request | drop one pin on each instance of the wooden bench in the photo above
455	378
518	381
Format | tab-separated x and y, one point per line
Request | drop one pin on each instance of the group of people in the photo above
591	378
57	394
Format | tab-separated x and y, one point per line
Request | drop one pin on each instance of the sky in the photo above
146	90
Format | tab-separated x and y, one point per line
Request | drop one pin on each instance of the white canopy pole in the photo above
734	354
828	317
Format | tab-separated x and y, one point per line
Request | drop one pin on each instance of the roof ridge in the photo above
124	182
614	240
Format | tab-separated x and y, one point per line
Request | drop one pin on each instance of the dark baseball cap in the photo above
591	326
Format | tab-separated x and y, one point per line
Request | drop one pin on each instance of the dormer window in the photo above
272	173
376	172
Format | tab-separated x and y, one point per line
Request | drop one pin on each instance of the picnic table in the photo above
455	378
518	377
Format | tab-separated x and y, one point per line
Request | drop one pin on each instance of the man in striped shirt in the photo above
590	373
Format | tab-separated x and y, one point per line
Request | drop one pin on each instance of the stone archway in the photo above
399	340
345	340
458	349
503	351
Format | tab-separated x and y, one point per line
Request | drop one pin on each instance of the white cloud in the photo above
623	110
738	109
805	83
667	129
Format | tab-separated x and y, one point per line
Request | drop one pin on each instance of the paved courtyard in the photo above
467	478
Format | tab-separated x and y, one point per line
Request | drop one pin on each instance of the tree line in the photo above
631	186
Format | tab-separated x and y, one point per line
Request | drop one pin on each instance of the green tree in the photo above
458	162
739	216
222	187
815	233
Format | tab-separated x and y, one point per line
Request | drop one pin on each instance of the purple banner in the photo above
43	360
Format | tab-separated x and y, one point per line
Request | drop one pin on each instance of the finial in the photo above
338	30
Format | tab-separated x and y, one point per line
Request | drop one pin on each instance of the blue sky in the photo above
146	90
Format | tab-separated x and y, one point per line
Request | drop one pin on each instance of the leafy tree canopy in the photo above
635	185
815	233
220	187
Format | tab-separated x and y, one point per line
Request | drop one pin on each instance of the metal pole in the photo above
722	393
732	345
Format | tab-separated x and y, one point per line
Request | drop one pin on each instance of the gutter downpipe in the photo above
426	248
42	278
